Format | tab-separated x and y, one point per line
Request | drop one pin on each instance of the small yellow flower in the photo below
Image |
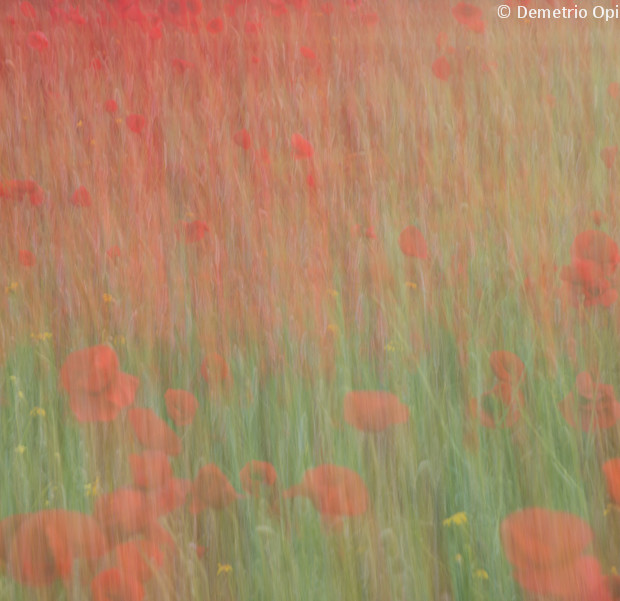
481	574
13	378
12	287
42	337
458	558
119	340
411	285
79	124
93	489
108	298
20	449
37	411
224	568
333	293
458	519
20	395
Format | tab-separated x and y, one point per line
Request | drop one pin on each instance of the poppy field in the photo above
306	299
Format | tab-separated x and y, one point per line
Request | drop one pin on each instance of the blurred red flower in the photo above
470	16
97	388
181	406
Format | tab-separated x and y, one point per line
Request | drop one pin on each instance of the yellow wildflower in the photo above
12	287
108	298
411	285
92	489
37	411
458	519
20	449
481	574
223	568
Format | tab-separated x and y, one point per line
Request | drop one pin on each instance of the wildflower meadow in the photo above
309	300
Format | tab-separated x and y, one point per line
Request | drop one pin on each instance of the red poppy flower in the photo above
170	496
123	513
212	489
242	139
307	53
507	367
470	16
104	406
302	149
441	68
181	406
586	274
374	410
139	557
214	369
26	258
195	231
611	469
506	397
595	257
546	550
543	538
116	583
579	580
194	7
110	106
596	246
153	433
150	470
596	405
215	25
97	389
17	189
47	543
614	90
81	198
38	41
175	11
334	491
412	243
257	473
136	123
608	155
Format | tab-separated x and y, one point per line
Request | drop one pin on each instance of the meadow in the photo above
308	300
